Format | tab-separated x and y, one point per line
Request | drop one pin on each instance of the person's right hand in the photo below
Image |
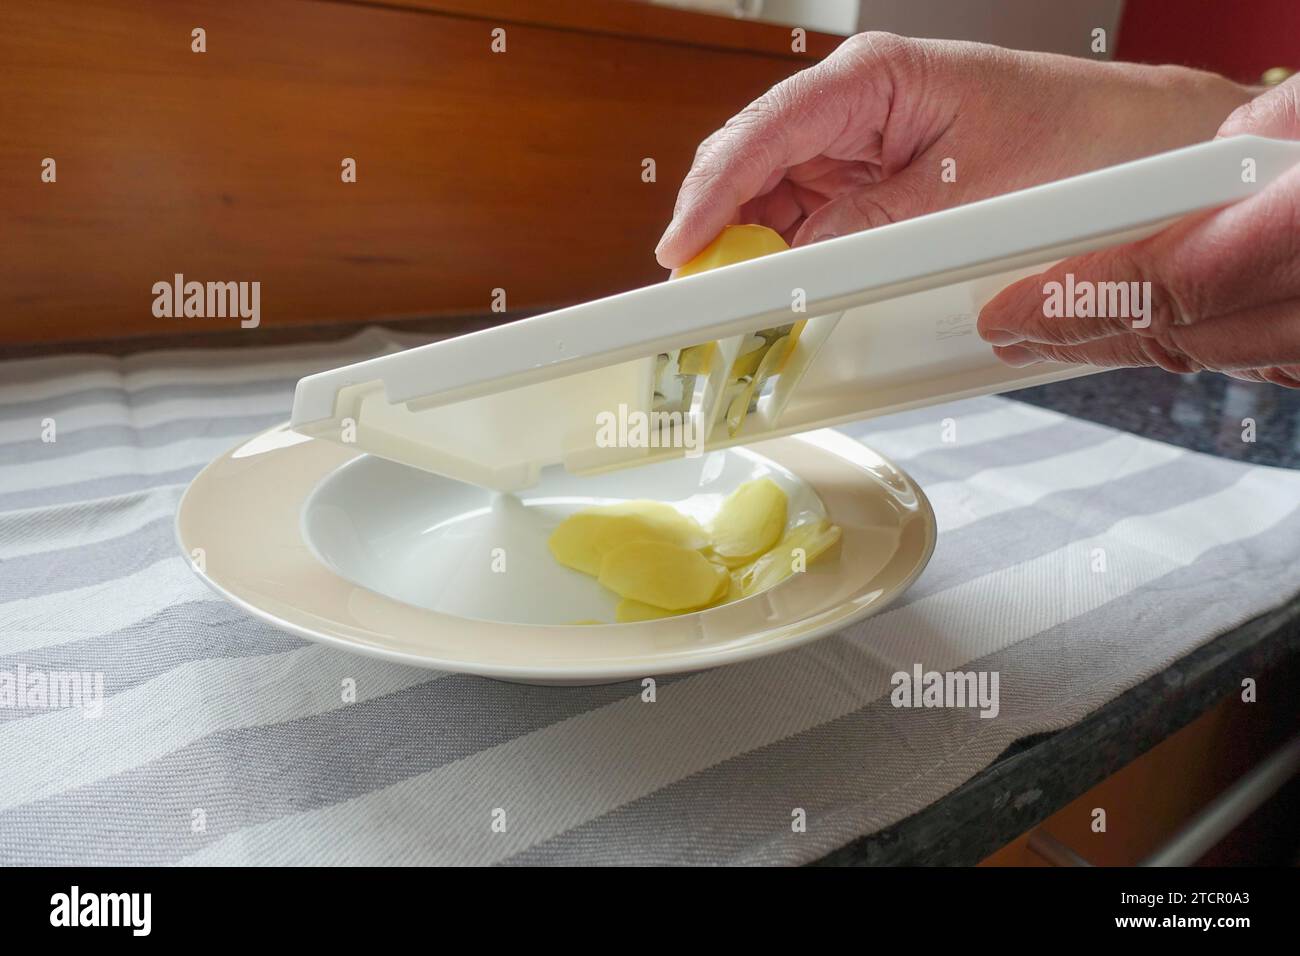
1225	285
860	139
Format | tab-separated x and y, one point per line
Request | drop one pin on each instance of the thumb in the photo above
893	200
1275	113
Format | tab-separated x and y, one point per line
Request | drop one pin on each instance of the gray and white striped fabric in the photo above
224	741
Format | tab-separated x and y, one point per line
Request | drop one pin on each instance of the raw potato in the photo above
662	574
734	244
749	522
582	540
815	538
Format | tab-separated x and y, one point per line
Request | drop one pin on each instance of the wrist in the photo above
1210	94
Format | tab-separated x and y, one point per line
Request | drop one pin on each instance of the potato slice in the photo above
772	358
795	331
630	611
663	574
735	587
751	354
696	359
583	539
812	538
749	522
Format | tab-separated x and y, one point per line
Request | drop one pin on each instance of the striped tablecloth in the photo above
1074	561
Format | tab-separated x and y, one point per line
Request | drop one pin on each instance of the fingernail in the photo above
1017	356
823	236
1001	337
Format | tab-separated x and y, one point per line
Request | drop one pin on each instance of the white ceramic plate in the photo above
381	559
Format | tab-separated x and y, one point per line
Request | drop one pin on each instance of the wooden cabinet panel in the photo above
475	170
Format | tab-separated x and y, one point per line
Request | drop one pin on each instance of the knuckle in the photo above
1168	351
1273	113
876	42
1244	118
1283	376
870	211
1052	353
874	48
1165	309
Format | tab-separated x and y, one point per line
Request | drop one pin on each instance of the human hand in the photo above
1225	286
860	139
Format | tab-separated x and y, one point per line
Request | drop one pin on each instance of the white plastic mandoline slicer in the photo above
890	326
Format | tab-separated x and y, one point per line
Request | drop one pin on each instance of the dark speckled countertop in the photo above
1206	413
1203	412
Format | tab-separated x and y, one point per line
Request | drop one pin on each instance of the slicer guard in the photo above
890	326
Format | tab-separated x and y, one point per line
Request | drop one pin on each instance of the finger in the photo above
1080	300
796	120
1275	113
1243	256
783	209
1116	351
897	198
1283	375
1250	339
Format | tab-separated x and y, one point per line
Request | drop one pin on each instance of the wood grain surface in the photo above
476	170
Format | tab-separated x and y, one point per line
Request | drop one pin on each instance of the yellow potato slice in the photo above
795	331
748	363
662	574
772	359
583	539
749	522
696	359
630	611
735	587
800	547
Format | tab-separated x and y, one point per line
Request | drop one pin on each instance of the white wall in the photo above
1057	26
825	16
